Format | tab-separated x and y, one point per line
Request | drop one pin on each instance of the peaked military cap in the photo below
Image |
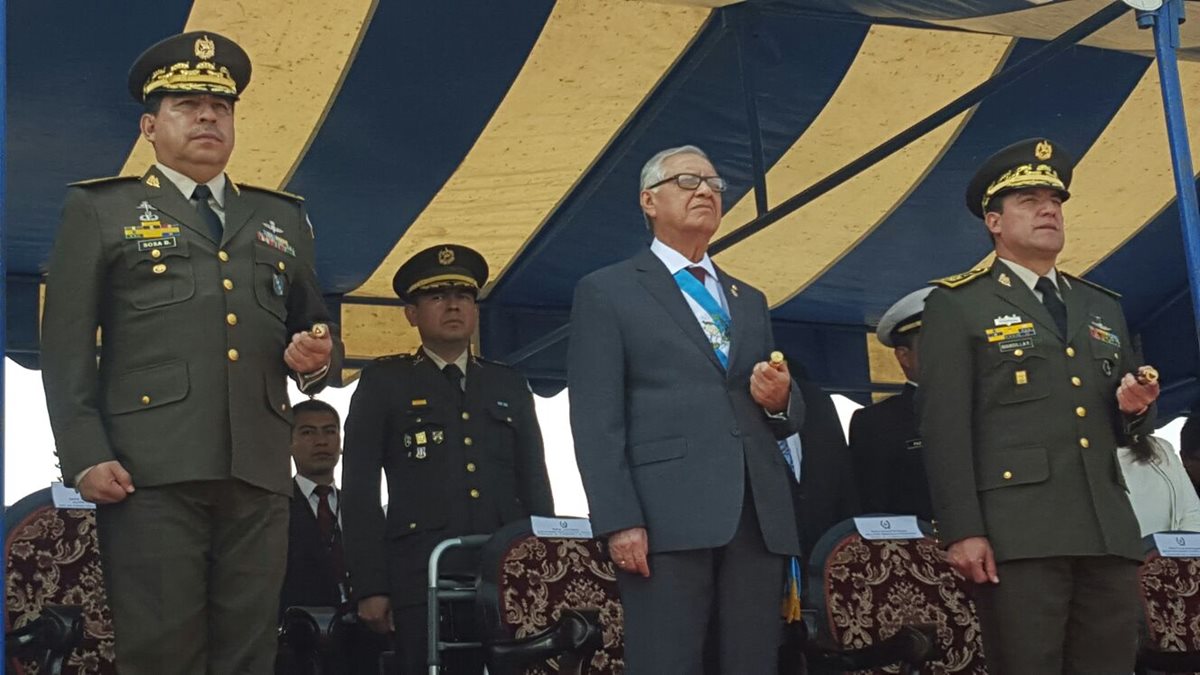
441	266
1033	162
195	62
903	317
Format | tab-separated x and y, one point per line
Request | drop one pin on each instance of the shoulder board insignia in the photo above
99	181
1094	285
278	193
957	280
491	362
393	357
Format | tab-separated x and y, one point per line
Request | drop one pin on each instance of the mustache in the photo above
206	131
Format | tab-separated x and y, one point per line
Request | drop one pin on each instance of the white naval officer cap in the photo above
902	317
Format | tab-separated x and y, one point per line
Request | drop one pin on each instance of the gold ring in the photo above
319	330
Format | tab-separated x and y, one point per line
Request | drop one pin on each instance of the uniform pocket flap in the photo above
1017	466
657	451
502	413
147	388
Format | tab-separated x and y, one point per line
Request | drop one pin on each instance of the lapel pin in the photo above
152	181
1004	280
733	289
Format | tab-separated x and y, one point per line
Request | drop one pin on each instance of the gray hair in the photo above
652	170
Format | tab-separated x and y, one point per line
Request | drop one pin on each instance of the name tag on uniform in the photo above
561	528
1177	544
888	527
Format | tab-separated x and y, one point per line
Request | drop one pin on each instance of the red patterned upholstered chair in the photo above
1170	588
538	595
880	596
54	559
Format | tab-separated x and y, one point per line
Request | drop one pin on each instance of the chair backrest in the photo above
1171	600
525	582
863	591
54	559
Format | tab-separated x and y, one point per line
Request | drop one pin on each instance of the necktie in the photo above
330	534
215	229
454	374
697	272
1058	311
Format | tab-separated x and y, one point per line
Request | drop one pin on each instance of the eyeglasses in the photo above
690	181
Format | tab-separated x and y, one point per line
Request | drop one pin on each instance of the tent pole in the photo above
1165	21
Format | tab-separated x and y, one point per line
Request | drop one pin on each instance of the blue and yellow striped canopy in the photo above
519	128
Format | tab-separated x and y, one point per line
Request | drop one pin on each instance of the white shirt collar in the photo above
1028	276
675	261
187	186
438	361
307	486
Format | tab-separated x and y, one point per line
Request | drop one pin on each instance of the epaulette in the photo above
1093	284
97	181
956	280
278	193
491	362
404	356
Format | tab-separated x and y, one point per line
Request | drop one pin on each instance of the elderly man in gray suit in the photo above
676	414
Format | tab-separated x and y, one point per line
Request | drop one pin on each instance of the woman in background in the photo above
1159	488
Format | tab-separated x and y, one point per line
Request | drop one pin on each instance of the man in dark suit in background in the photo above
676	416
316	565
206	300
884	442
459	440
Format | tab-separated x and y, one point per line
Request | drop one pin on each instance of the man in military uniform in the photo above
206	299
884	442
1034	385
458	439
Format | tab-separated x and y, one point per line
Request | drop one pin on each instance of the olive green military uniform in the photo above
190	395
1021	426
457	463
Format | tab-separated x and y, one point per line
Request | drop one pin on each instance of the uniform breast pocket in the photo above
1019	378
502	427
160	276
420	437
273	273
1106	359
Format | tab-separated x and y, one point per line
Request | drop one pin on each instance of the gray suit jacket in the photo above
664	436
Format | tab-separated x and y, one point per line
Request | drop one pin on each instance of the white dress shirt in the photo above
1030	278
309	489
187	186
441	363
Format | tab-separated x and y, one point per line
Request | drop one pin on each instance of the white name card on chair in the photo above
888	527
68	498
1177	544
561	528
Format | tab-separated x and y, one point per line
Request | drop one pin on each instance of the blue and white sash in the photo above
716	327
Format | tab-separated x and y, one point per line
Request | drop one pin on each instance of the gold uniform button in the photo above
1018	352
231	319
159	268
145	400
1081	411
233	355
412	526
156	254
282	266
223	256
1076	381
508	419
283	407
466	415
1084	443
1071	352
474	493
1007	475
468	441
471	467
228	284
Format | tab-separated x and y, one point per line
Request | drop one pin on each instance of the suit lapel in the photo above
237	209
1077	314
657	281
165	197
1015	292
736	314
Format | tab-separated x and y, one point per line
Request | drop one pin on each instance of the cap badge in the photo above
1043	151
205	48
446	256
